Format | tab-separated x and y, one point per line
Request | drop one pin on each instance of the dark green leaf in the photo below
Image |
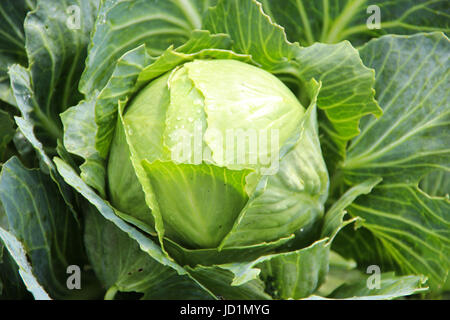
332	21
56	49
390	287
121	264
7	131
402	229
124	25
412	138
219	281
22	266
12	41
436	183
41	221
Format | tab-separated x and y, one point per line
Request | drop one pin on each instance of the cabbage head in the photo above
207	142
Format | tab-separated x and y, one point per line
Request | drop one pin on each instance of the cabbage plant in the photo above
223	150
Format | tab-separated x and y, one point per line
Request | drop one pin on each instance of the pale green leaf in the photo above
198	203
79	138
291	199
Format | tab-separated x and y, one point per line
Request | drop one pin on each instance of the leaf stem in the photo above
190	13
326	20
48	125
111	293
341	22
363	28
304	17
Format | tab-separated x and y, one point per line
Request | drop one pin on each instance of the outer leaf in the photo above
334	216
346	95
122	265
40	219
155	24
25	149
253	32
412	138
436	183
17	250
21	84
406	229
341	271
121	85
79	138
56	54
295	275
7	131
146	244
207	257
298	273
332	21
11	284
391	287
403	228
12	41
290	275
219	281
29	138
